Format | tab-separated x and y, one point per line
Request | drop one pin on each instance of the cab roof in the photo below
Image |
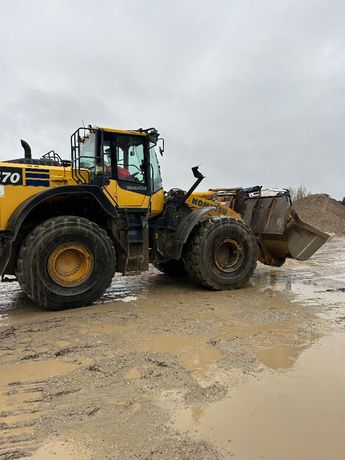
132	132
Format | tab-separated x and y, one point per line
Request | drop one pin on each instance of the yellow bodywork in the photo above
199	200
122	131
129	199
12	196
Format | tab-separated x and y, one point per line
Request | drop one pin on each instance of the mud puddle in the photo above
37	370
297	414
317	282
298	409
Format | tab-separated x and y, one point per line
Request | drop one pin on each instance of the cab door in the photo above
124	159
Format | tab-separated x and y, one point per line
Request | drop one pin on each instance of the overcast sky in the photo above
254	91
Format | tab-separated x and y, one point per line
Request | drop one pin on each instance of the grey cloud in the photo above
254	91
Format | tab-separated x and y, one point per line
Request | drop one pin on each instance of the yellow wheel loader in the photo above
66	226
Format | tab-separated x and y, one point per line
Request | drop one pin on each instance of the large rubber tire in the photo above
221	253
172	268
36	251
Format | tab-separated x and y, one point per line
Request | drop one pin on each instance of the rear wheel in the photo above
221	253
66	261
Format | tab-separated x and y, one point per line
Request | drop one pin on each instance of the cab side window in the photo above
155	173
130	159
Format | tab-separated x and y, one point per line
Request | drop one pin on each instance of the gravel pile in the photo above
322	212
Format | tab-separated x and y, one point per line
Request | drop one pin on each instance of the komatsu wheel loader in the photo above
66	227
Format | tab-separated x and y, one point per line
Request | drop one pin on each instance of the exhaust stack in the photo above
27	149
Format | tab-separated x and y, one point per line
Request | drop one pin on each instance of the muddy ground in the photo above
161	369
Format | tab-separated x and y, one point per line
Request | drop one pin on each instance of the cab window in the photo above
88	151
155	172
130	159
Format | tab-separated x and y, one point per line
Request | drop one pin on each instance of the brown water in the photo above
37	370
296	411
299	414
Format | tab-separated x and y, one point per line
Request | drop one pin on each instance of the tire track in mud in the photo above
22	385
18	418
77	380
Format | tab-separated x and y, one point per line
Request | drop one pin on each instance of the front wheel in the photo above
65	262
221	253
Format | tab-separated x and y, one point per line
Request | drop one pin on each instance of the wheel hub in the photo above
228	255
70	264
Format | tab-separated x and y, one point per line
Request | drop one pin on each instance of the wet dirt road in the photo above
161	369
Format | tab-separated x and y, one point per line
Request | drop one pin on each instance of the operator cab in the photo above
121	161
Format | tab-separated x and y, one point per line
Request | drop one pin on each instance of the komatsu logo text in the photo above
199	203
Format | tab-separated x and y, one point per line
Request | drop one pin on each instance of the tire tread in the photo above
28	281
192	253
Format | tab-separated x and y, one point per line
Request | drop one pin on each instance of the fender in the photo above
184	229
8	237
31	203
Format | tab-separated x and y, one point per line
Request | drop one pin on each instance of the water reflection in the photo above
298	415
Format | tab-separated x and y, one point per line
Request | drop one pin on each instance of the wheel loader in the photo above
67	226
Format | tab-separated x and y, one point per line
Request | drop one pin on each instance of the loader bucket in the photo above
303	239
280	232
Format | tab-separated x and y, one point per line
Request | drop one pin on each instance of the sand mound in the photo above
322	212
